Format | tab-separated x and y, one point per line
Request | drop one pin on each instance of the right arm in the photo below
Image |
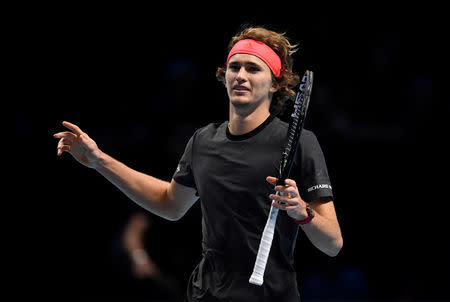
169	200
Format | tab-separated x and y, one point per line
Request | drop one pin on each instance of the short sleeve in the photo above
313	179
183	173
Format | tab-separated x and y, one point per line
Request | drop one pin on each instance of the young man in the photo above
230	167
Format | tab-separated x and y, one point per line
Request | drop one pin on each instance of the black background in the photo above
140	80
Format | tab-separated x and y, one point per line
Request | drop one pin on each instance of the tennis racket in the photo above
287	159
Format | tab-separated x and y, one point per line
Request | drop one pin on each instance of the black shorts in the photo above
211	281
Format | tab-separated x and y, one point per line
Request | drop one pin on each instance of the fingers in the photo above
291	191
288	182
287	196
65	148
65	134
64	141
67	138
272	180
284	207
64	144
290	186
72	127
285	199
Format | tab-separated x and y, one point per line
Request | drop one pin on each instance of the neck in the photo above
241	124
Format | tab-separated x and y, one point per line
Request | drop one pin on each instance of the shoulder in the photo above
282	126
210	130
308	136
278	126
308	141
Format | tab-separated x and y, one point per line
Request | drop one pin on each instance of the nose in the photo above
241	75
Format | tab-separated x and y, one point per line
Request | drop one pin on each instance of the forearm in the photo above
325	234
147	191
132	240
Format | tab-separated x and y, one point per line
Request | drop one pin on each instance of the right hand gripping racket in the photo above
287	159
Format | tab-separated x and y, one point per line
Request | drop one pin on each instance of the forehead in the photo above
244	58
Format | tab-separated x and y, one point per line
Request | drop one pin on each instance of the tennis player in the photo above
229	167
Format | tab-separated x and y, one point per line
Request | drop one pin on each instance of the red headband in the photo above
259	49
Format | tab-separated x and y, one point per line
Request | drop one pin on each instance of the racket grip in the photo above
257	276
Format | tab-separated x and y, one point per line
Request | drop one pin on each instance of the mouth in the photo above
240	88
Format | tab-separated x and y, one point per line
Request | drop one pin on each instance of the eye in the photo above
252	68
234	66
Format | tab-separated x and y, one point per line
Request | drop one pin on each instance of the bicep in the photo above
181	197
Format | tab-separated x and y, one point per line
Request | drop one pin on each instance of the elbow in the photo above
166	212
335	248
173	214
170	214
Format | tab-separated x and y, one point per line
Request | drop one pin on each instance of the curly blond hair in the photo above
284	49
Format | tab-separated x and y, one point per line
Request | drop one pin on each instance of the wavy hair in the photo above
284	49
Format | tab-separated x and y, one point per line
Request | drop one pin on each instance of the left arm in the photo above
323	230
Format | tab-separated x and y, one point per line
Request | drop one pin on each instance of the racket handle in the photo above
257	276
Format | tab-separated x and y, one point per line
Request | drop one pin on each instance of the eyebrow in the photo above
244	63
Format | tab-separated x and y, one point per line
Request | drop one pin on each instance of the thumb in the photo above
272	180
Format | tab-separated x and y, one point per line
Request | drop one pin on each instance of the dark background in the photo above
140	80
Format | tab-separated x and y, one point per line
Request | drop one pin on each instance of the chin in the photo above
239	103
240	99
242	107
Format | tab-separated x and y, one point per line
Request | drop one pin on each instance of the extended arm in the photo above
168	200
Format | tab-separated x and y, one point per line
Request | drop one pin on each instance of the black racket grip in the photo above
280	181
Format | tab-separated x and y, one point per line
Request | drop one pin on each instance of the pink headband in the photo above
259	49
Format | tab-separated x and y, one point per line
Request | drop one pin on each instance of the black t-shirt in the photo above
229	173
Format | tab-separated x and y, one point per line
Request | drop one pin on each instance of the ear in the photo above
274	88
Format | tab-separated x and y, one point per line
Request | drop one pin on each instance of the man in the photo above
230	167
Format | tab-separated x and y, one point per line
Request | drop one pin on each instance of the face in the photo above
248	81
